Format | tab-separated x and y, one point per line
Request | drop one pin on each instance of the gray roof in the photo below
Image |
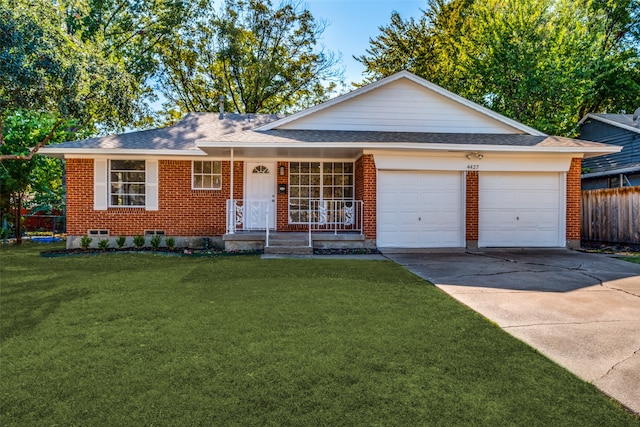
623	121
321	136
181	136
238	128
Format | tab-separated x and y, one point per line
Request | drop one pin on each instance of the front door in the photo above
260	204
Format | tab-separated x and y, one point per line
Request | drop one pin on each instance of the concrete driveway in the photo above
581	310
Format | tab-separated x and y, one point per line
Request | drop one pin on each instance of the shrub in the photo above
103	244
85	242
170	242
155	242
120	241
138	241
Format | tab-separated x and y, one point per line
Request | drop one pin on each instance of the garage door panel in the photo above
520	209
426	212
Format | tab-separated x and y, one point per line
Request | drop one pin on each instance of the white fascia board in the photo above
609	122
413	147
497	148
102	152
420	81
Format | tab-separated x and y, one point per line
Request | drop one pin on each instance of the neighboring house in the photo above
400	163
617	169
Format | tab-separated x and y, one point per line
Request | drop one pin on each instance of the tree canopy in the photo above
543	63
261	58
83	61
70	68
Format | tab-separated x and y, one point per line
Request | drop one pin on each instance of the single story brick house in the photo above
398	164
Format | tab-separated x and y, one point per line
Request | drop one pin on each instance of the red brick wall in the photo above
365	180
472	197
182	211
573	200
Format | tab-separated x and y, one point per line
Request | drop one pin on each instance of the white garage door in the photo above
419	209
520	209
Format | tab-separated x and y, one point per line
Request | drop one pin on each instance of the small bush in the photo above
170	242
155	242
138	241
103	244
85	242
120	241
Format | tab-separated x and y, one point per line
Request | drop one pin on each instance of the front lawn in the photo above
128	340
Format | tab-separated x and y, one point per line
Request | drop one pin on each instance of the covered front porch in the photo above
320	224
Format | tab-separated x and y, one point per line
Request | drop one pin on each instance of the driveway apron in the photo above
581	310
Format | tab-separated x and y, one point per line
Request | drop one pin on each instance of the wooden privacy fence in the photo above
611	215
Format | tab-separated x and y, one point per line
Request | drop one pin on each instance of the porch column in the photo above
231	214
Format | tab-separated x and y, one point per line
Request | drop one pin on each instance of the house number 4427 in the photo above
473	167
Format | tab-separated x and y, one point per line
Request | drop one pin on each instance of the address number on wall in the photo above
473	167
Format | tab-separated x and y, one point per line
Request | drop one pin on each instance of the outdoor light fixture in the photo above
281	170
476	155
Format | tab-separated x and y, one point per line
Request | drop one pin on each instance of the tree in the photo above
39	174
261	58
542	63
89	61
63	74
44	68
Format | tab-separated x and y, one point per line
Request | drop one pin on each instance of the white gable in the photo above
402	103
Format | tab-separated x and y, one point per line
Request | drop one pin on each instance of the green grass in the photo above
128	340
634	259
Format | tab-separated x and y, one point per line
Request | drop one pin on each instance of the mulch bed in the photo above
610	248
145	250
188	252
354	251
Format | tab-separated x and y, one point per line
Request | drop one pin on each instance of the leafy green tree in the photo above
68	67
542	63
261	58
38	175
44	68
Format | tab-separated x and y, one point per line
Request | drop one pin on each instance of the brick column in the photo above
471	216
574	203
365	177
282	216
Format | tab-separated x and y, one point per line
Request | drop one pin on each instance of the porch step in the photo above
289	244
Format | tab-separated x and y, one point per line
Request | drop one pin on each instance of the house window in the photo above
207	175
127	183
317	181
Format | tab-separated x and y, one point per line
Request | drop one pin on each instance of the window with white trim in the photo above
317	181
207	175
127	180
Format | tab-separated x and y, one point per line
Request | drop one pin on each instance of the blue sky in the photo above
352	22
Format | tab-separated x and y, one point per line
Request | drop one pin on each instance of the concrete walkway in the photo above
581	310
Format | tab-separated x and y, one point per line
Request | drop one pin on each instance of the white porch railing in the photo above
248	215
323	215
335	215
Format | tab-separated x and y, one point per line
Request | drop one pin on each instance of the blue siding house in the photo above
612	170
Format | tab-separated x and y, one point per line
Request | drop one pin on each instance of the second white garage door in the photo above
418	209
520	210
